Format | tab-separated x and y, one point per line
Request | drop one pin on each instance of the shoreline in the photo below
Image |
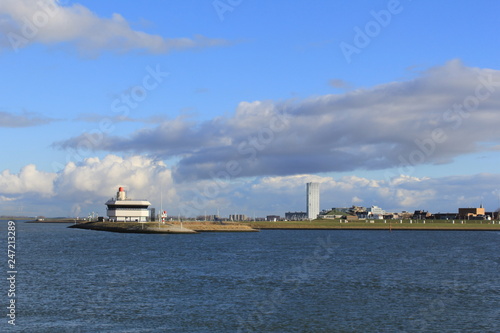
61	220
432	225
383	229
203	226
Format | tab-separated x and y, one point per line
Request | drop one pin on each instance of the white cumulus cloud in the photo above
28	180
80	188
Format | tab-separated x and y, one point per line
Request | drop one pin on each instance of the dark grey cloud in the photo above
25	119
448	111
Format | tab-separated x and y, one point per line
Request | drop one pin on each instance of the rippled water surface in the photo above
72	280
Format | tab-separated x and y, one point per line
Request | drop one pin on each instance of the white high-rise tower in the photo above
312	200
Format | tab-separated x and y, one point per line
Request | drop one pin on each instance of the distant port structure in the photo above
123	209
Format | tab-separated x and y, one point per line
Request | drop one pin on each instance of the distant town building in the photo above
375	212
445	216
405	215
312	200
123	209
492	215
237	217
295	216
273	218
357	209
468	213
421	215
343	210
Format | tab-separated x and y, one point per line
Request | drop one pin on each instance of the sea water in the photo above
73	280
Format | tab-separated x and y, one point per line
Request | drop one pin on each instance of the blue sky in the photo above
237	104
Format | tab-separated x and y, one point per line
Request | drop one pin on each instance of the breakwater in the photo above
167	228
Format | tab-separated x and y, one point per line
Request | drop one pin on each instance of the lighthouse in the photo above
124	209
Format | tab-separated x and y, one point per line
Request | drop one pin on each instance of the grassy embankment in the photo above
379	225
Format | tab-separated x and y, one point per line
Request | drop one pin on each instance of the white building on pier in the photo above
123	209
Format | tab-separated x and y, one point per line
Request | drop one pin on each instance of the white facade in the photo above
123	209
375	212
237	217
312	200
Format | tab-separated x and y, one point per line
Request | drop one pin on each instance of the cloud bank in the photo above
446	112
23	22
80	188
83	187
